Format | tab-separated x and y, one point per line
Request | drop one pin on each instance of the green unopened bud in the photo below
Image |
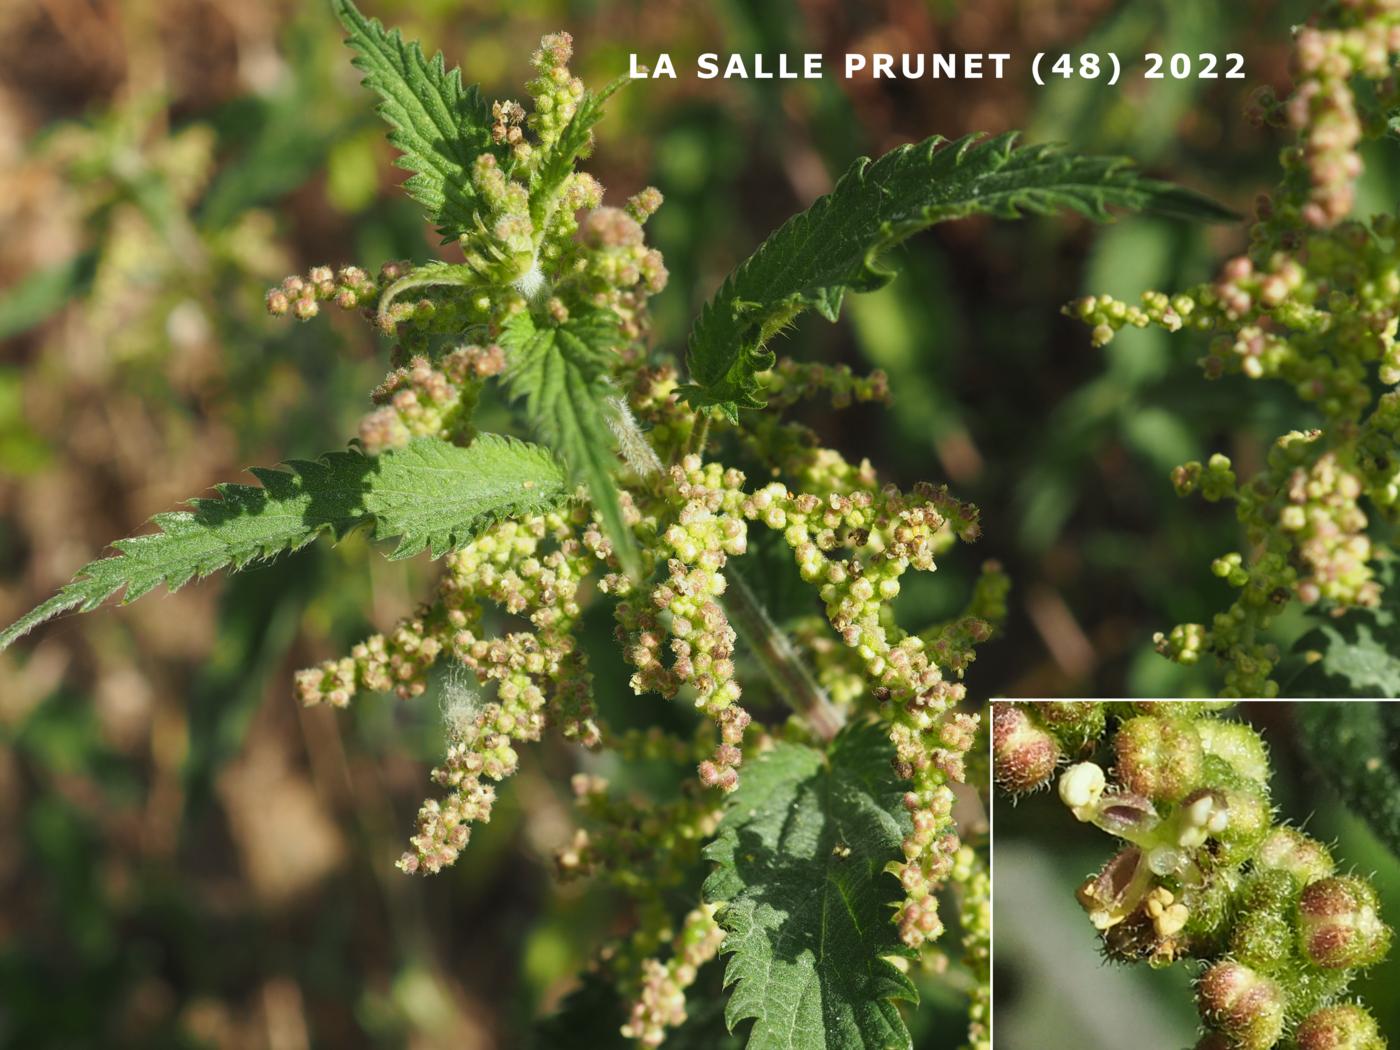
1239	746
1202	709
1344	1027
1248	817
1263	936
1160	758
1339	924
1243	1005
1074	722
1301	856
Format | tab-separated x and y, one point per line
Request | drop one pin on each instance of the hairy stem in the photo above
700	437
785	669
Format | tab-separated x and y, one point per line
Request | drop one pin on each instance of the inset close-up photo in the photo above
512	515
1203	874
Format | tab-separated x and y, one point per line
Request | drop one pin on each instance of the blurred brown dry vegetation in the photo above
186	858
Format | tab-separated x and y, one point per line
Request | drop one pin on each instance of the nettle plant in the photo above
823	837
1311	303
1204	874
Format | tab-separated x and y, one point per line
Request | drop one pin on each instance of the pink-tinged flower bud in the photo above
1024	754
1214	1041
1160	758
1339	924
1300	855
1344	1027
1241	1004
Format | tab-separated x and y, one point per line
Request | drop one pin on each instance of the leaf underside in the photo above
561	374
834	246
431	494
438	126
801	855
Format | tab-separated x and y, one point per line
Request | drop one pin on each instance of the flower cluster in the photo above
1311	304
349	288
505	622
792	381
854	539
706	530
1203	870
974	884
533	672
419	399
660	1002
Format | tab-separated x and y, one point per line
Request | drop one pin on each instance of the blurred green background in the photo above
187	858
1054	989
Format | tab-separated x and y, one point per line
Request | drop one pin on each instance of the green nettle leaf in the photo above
1356	746
573	143
1356	654
561	373
834	246
801	855
438	125
431	494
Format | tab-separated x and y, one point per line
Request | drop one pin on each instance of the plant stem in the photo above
699	439
771	647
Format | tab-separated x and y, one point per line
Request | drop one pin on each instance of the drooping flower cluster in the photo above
660	1003
706	530
883	533
1312	303
1203	870
969	875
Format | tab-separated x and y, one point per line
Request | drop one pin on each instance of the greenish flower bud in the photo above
1073	722
1160	758
1262	936
1339	924
1176	708
1301	856
1248	818
1238	745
